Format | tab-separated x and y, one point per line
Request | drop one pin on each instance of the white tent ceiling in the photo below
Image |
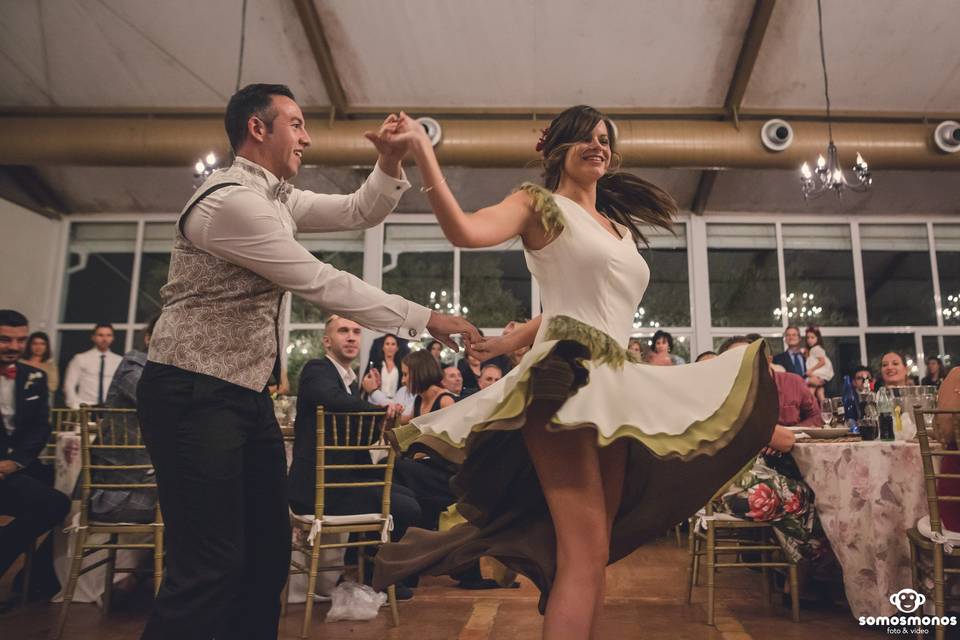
888	57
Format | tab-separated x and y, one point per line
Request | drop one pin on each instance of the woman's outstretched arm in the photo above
522	335
490	226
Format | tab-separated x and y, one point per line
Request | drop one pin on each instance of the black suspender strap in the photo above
183	216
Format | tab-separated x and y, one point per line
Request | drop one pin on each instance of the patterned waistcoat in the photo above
218	319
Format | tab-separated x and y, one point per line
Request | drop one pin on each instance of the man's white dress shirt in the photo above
82	383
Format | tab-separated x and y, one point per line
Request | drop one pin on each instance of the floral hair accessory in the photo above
543	138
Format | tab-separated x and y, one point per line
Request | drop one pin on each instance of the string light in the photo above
799	307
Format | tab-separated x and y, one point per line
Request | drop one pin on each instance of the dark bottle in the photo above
851	405
885	409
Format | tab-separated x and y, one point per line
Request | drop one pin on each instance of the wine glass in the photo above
826	413
928	400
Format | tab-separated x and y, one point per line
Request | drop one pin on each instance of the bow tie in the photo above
10	373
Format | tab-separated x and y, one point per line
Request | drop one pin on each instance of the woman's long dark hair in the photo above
621	196
42	336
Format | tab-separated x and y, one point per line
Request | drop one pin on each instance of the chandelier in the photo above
951	310
444	303
205	166
798	307
828	174
638	319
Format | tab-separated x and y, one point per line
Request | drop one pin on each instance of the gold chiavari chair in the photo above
714	534
345	432
929	538
113	434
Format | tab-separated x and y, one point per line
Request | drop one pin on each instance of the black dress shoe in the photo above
403	592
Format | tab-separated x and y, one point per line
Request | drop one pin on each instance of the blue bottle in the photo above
851	406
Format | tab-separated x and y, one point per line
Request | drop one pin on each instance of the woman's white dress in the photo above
690	428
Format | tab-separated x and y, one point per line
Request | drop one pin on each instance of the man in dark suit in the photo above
330	382
792	360
25	491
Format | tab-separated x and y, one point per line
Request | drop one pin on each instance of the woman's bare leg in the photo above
613	468
567	465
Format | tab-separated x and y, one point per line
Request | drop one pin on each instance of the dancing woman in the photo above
579	454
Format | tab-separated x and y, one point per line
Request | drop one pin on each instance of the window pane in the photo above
666	302
844	353
342	250
418	261
302	346
881	343
818	261
946	239
744	283
154	267
949	353
99	267
896	275
494	286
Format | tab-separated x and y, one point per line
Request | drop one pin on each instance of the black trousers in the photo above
36	507
221	476
430	485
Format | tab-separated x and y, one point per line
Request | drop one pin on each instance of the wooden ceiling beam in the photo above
313	27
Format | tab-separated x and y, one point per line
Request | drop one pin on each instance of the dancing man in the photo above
205	414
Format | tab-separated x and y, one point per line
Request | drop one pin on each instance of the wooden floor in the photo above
645	599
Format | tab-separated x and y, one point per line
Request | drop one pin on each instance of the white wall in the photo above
29	252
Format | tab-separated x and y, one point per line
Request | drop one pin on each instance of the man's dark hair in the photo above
753	337
491	365
729	342
705	354
252	100
11	318
794	327
102	325
862	368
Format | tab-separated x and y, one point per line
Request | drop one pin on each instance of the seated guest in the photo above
469	367
488	375
424	381
435	348
636	348
893	370
387	359
661	347
330	382
125	505
935	372
452	380
773	490
862	379
947	428
25	484
430	463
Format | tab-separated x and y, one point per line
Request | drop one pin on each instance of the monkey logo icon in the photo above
907	600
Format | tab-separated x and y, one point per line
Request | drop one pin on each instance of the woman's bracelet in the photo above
431	188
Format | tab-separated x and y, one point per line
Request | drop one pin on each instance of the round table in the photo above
868	494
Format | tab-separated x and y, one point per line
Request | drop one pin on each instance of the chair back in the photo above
951	420
113	454
353	432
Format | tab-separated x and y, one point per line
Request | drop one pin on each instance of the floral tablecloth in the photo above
867	494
